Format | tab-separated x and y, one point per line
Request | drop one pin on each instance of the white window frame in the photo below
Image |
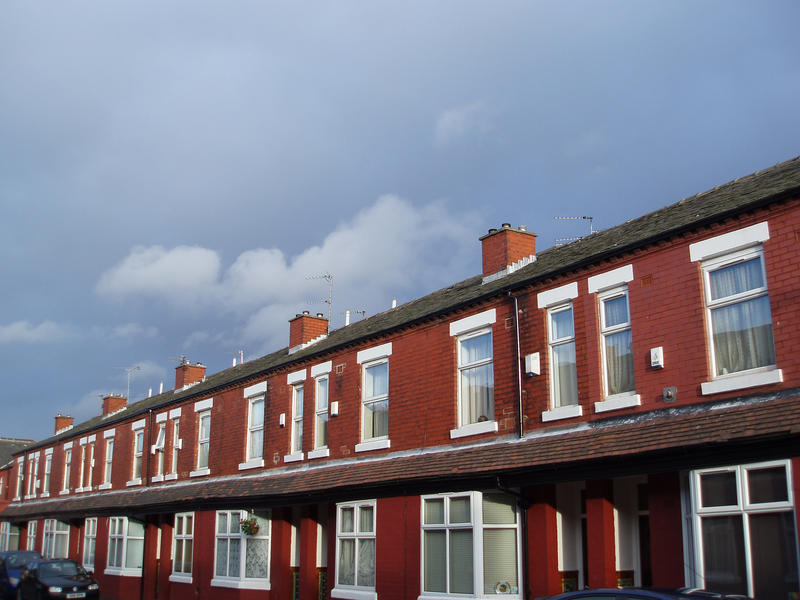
48	469
254	395
478	427
89	543
30	536
137	453
33	475
354	591
376	441
55	532
763	375
321	416
477	526
90	463
158	449
628	398
67	468
8	533
108	463
295	441
203	441
742	508
183	536
242	582
177	444
557	409
20	478
123	538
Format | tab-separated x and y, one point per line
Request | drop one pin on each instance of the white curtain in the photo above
619	362
565	375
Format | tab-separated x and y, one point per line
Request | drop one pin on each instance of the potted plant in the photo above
249	526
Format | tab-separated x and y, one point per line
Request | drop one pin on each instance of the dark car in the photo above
58	578
11	565
646	594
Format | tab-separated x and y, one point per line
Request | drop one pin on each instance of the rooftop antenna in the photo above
564	240
129	371
329	278
240	354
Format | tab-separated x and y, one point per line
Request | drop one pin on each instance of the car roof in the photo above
656	593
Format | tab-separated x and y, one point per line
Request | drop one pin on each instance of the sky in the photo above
176	177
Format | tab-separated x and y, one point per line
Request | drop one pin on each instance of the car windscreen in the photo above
65	568
17	561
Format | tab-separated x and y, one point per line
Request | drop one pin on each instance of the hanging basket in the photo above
249	526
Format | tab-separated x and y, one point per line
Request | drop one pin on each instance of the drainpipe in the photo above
519	365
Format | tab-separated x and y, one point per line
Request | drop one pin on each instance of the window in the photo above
255	429
297	420
158	450
90	466
355	547
55	543
321	413
203	439
30	541
9	537
563	368
475	378
109	462
138	451
745	531
33	473
82	466
375	398
125	546
67	468
182	547
176	444
89	542
20	477
48	467
470	544
241	561
615	328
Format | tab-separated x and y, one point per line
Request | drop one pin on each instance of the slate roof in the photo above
740	195
688	436
9	447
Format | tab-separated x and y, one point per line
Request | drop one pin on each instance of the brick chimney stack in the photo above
306	327
62	422
113	403
187	373
505	247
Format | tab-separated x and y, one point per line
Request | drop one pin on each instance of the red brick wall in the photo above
306	327
504	247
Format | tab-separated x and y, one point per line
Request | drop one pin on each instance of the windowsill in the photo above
617	402
123	572
353	594
44	495
104	486
180	578
133	482
156	479
200	472
562	412
474	429
170	476
241	584
61	493
17	499
253	463
740	381
297	456
319	453
373	445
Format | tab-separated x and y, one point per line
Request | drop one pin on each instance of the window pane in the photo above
297	436
499	509
735	279
619	362
476	348
477	394
773	555
134	553
257	443
461	562
222	522
435	562
298	400
459	510
235	522
366	563
376	380
255	558
234	557
376	419
434	512
222	557
767	485
499	558
202	455
565	375
322	394
205	425
187	556
347	521
562	324
257	413
347	562
723	555
743	336
365	519
718	489
615	311
322	430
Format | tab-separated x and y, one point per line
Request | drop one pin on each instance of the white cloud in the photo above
383	252
458	122
130	330
25	332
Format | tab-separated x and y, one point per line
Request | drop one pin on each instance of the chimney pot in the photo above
306	327
506	225
187	373
62	422
113	402
505	246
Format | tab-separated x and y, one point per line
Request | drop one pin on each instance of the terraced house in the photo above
620	410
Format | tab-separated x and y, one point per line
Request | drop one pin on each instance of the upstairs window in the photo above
109	461
158	449
67	468
475	378
176	444
563	368
48	467
203	439
255	429
321	413
615	327
297	420
375	399
138	447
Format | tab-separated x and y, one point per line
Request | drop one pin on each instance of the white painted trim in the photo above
157	479
562	412
353	594
48	452
297	456
109	433
200	472
175	413
124	572
296	377
477	321
254	463
557	295
741	381
241	584
92	438
203	405
373	445
374	352
319	453
104	486
322	369
67	446
21	459
81	442
255	389
617	402
131	483
170	476
728	242
162	418
176	578
610	279
474	429
136	425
